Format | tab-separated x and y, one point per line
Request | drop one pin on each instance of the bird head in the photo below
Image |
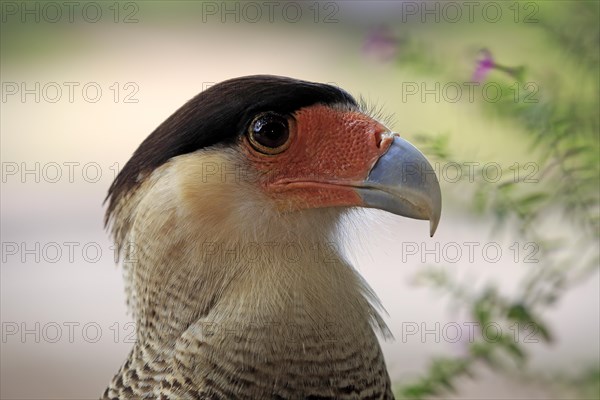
267	159
268	145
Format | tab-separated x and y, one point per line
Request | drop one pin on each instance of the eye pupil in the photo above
269	131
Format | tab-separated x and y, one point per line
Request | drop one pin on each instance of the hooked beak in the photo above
404	183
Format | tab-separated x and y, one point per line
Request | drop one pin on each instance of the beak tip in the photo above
434	218
433	224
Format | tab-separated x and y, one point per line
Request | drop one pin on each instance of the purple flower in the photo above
484	65
381	44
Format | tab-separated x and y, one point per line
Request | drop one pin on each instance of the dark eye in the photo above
269	133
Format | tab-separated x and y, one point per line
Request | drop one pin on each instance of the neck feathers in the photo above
224	288
222	254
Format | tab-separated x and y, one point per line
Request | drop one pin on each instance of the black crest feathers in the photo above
219	114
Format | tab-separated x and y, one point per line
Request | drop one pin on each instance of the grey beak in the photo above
403	182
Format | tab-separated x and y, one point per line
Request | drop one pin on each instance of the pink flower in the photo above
484	65
381	44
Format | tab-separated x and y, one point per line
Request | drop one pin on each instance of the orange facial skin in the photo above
330	152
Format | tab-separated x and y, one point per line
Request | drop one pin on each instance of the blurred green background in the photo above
517	159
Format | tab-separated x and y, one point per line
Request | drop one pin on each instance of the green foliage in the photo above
564	139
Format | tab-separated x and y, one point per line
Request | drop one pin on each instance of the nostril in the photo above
378	139
380	136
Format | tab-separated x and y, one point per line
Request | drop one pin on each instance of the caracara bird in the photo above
226	218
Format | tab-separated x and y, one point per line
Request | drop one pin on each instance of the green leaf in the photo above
532	199
514	349
519	313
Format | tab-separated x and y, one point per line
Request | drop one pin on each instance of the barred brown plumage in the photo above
217	322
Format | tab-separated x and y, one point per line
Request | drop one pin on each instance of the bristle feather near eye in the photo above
376	111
